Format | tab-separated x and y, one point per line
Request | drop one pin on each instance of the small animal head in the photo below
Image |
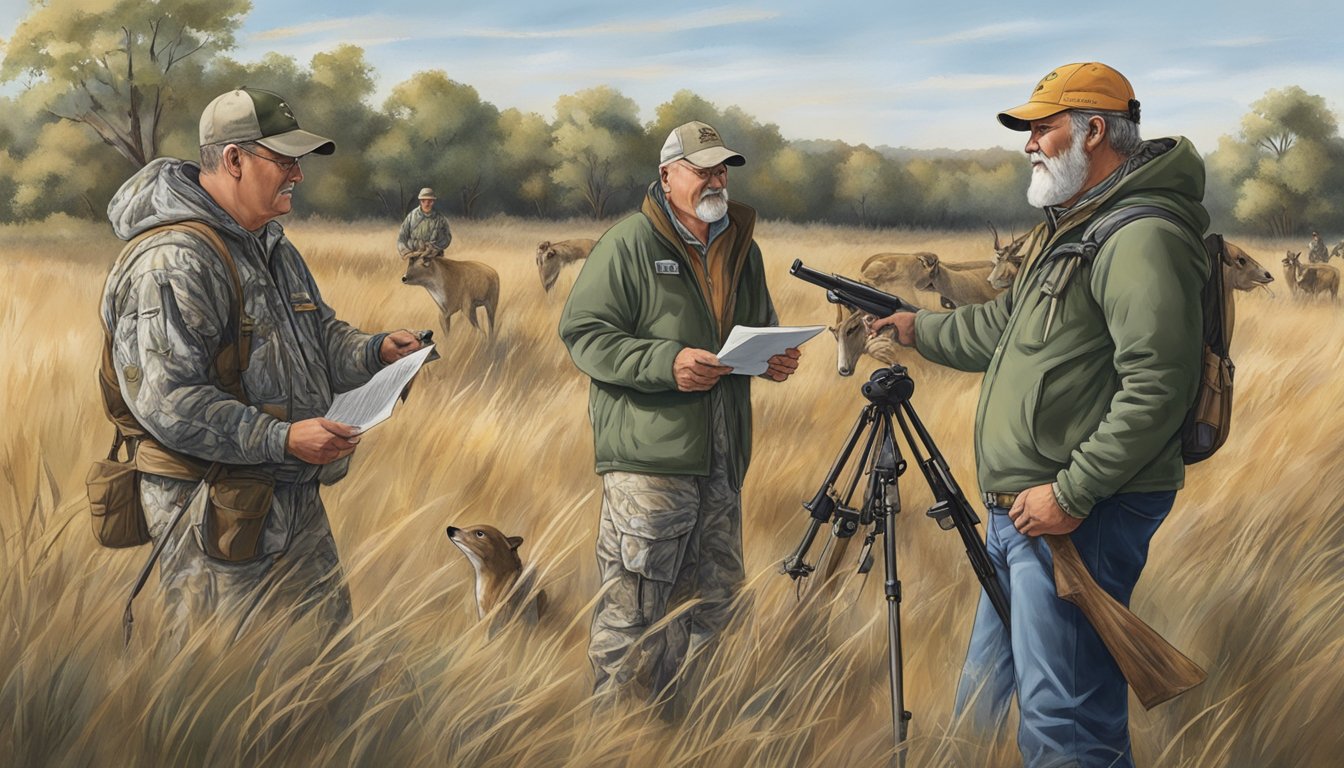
1291	260
486	547
1007	260
420	270
851	334
924	282
548	264
1242	271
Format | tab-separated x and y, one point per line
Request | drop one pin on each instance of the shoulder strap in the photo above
229	363
1101	228
237	354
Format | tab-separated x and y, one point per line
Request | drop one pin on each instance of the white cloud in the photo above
969	82
400	29
1242	42
988	32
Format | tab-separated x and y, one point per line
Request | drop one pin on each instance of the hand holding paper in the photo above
748	350
372	403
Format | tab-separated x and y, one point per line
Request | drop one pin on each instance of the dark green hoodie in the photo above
1095	404
635	305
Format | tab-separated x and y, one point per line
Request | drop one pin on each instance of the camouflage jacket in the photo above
170	302
420	230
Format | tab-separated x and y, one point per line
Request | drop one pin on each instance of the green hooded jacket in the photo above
1092	398
635	305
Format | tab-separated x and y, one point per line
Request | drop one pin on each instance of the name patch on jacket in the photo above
667	267
302	302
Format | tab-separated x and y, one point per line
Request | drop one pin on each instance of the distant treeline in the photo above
94	113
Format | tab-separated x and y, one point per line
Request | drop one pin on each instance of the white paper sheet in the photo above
372	403
748	350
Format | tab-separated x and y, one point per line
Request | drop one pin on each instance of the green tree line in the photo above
90	114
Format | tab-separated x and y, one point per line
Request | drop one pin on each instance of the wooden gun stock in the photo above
1152	666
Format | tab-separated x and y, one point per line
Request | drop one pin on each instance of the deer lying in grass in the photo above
897	272
1311	279
957	286
456	286
552	256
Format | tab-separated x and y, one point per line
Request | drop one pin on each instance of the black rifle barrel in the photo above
852	293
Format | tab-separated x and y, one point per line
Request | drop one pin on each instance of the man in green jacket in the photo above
671	426
1090	363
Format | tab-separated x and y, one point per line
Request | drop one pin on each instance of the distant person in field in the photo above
671	426
1316	249
1090	363
425	231
263	549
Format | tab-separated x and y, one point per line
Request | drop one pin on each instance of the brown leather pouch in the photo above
240	500
113	485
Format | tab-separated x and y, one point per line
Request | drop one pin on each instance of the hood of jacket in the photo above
166	191
1165	172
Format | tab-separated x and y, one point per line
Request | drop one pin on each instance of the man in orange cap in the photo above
1091	360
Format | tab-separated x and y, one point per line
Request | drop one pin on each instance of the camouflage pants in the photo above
664	540
298	573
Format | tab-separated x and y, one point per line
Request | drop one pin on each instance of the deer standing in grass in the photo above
456	286
1311	279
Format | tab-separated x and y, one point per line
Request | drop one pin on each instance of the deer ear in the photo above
515	542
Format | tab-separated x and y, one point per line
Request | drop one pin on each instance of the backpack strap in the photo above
230	360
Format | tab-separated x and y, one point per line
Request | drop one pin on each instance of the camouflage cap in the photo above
1089	86
251	114
699	144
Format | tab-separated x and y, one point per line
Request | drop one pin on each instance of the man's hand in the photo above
1036	512
397	345
320	441
697	370
782	366
904	322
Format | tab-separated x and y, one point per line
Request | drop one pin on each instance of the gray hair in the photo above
1122	132
213	154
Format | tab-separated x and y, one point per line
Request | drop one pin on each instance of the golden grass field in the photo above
1246	576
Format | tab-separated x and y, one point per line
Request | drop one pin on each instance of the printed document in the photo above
372	403
748	350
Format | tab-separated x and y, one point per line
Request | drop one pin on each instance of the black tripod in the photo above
888	393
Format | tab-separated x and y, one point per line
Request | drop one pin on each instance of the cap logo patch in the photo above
707	135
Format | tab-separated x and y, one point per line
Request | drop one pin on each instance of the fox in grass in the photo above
499	571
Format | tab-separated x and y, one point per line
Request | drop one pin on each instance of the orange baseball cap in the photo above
1090	85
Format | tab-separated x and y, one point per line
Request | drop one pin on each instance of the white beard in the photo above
712	205
1060	178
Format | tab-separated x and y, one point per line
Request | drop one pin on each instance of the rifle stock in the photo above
1152	666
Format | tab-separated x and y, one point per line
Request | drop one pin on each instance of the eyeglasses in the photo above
705	174
285	165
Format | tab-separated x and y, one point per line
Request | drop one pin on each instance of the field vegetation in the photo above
1245	576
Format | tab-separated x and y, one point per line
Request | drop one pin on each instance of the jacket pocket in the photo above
1068	403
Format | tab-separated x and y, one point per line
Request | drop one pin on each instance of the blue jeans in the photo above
1074	703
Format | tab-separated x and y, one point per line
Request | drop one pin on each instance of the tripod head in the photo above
889	386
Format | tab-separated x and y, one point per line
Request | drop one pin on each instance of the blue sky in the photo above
920	75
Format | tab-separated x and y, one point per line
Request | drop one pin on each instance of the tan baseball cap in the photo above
251	114
427	194
699	144
1090	85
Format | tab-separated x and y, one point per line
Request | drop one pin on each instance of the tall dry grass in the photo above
1245	576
